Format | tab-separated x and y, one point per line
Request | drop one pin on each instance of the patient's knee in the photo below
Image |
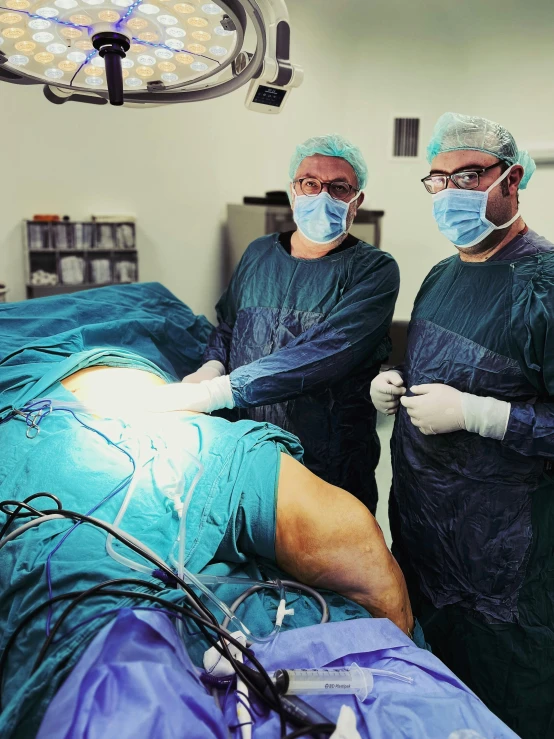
314	517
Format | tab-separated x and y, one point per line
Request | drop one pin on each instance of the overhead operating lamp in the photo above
148	52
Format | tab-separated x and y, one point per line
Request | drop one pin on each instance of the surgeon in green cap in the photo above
303	326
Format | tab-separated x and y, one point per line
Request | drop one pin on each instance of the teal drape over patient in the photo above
144	318
231	520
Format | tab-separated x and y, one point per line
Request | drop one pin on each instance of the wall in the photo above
177	167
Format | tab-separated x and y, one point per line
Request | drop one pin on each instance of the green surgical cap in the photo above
331	145
454	131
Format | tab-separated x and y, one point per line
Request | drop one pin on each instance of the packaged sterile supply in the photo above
125	236
125	271
40	277
61	236
101	271
82	235
104	236
72	270
38	236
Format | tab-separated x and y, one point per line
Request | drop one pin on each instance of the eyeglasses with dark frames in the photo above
465	180
337	189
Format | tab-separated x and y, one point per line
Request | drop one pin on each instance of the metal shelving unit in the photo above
68	256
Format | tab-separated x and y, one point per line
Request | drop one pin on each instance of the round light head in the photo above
169	41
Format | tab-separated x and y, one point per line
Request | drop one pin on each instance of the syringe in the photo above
353	680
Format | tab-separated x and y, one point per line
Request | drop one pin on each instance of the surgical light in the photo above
71	46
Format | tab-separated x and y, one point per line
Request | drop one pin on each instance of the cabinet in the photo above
67	256
247	222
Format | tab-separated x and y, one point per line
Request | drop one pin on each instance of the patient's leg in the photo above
327	538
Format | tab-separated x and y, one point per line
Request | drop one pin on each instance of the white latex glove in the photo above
346	725
386	390
205	397
441	409
435	409
486	416
208	371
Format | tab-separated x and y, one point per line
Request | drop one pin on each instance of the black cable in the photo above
96	589
30	616
12	515
210	620
121	537
18	504
204	624
315	730
207	620
103	589
183	610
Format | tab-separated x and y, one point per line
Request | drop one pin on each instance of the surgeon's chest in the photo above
292	298
472	301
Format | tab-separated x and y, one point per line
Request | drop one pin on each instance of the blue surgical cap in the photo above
331	145
454	131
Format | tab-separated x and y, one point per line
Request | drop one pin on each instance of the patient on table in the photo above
323	536
253	503
72	369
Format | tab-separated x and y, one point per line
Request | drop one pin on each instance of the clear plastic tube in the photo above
114	554
225	580
201	582
184	512
75	406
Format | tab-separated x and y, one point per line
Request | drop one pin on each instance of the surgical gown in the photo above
473	518
302	339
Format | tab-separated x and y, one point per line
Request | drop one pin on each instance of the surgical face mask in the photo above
321	218
460	214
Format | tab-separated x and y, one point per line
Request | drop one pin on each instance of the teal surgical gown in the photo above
302	340
473	518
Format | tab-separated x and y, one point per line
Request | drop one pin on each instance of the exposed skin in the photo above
328	539
325	169
325	537
500	207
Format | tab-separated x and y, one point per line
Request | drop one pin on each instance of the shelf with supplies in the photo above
68	256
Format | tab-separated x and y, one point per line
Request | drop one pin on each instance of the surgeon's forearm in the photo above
530	429
327	538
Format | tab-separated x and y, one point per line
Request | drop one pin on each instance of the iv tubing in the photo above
185	574
200	581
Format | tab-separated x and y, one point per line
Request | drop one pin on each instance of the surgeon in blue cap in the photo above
303	326
472	502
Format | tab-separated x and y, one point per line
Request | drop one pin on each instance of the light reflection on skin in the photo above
113	392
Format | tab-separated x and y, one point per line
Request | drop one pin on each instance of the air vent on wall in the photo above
406	137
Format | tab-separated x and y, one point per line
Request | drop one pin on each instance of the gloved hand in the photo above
486	416
205	397
441	409
386	390
346	725
435	409
208	371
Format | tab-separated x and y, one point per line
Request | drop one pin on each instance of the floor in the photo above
384	473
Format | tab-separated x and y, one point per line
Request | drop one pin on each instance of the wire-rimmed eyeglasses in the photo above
337	189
